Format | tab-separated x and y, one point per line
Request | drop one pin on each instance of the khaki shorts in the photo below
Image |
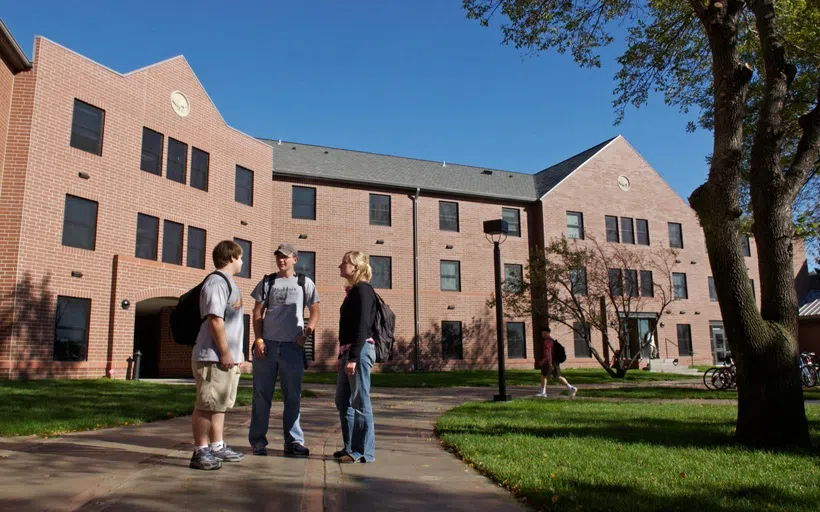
215	388
553	371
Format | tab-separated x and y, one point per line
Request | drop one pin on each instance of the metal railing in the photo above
667	341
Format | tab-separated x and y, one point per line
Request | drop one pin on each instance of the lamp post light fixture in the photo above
496	231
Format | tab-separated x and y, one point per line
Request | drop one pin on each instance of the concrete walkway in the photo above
145	467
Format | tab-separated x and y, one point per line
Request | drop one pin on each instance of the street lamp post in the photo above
496	232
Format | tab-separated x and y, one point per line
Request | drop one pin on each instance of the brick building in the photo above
116	187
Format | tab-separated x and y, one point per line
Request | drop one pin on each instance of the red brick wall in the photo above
809	335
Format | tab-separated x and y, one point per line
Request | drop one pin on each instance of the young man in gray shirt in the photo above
216	357
279	325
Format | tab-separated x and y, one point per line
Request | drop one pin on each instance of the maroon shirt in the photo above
549	348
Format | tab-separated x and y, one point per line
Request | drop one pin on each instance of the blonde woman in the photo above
357	354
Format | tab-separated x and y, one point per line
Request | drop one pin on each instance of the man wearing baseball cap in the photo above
279	326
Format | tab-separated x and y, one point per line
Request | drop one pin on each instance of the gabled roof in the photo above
550	177
343	165
11	52
810	305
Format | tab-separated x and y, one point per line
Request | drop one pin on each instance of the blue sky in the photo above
414	79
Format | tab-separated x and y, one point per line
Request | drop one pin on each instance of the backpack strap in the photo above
227	281
270	278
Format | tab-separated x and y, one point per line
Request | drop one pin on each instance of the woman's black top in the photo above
356	319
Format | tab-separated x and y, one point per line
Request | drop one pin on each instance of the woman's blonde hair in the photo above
363	271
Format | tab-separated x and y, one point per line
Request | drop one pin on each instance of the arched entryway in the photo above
149	324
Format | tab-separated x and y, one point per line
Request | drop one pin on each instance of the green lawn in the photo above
625	456
50	407
487	378
674	393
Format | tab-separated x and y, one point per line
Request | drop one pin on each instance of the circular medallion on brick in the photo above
179	102
623	183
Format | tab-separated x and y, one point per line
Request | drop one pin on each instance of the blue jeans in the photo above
285	359
353	404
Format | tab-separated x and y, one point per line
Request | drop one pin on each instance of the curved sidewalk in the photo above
145	467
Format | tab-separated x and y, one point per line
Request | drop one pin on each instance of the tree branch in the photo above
808	150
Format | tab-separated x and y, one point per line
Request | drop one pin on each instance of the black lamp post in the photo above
496	232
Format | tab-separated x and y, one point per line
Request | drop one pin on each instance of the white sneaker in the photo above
541	394
572	391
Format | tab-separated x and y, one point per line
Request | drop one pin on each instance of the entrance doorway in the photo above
639	327
720	346
147	333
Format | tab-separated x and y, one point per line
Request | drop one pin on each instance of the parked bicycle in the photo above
721	377
808	369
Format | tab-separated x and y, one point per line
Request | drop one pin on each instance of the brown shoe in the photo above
346	459
339	453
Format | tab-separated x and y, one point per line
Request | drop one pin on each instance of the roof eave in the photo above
11	51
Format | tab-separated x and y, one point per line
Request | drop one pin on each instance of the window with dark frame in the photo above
382	267
80	223
151	160
177	167
447	216
579	333
746	246
451	344
147	237
379	210
172	242
631	281
306	264
513	277
612	233
752	284
72	319
675	235
196	247
200	168
304	203
575	225
516	341
684	340
578	280
450	276
513	218
679	288
87	125
642	231
243	191
627	231
247	256
615	282
647	284
712	290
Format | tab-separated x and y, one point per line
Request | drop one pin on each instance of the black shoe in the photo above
338	454
260	450
296	450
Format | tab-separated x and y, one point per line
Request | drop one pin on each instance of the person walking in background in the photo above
357	354
551	367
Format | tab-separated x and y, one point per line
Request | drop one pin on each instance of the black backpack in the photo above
185	319
384	330
560	354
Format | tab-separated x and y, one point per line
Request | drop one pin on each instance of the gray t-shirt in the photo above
214	300
284	316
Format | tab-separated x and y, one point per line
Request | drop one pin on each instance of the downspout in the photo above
417	325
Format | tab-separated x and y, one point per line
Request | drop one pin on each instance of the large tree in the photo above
752	67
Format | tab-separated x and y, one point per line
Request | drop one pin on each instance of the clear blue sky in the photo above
414	79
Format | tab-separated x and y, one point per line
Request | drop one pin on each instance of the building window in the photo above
684	340
450	276
382	271
379	210
451	346
631	279
679	290
612	229
177	167
243	191
647	284
80	223
580	332
627	231
516	342
513	218
712	289
447	216
147	236
200	165
196	247
575	225
615	282
642	230
675	235
513	277
87	127
247	254
752	284
172	242
304	203
746	246
306	264
578	281
151	160
71	329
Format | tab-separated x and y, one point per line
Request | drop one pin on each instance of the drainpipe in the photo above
416	340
